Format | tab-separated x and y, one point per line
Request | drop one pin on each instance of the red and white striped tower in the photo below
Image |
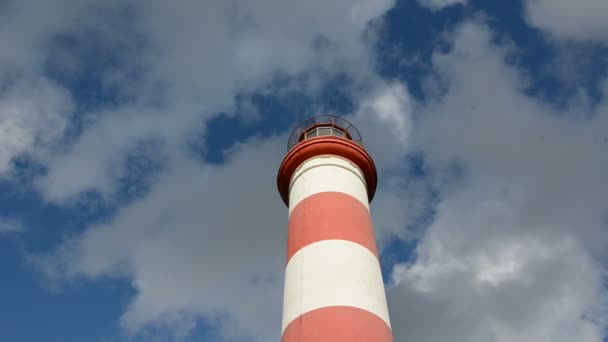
333	284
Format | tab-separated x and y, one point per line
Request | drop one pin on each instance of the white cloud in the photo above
384	117
436	5
578	20
514	249
207	241
194	59
388	104
96	160
33	113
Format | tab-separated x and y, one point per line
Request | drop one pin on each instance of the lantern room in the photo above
324	126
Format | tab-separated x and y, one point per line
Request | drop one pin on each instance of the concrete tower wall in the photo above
333	283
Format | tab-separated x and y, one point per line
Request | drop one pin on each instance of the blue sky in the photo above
139	144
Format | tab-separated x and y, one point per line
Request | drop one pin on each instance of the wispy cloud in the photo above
8	226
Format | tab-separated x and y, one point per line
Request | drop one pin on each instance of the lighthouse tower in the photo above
333	284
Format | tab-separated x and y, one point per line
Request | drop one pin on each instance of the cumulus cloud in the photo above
578	20
514	247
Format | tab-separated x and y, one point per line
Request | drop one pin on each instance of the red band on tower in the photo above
342	323
337	216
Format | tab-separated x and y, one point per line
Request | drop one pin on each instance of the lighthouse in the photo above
333	283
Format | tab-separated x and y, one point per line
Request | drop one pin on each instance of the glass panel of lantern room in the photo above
311	134
338	133
324	130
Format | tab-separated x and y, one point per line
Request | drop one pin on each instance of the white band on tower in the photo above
333	273
327	173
